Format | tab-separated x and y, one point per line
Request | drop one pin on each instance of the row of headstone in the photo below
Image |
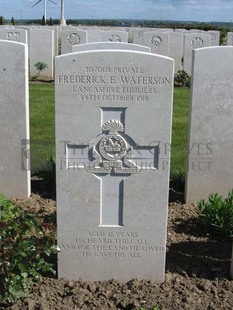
176	45
43	42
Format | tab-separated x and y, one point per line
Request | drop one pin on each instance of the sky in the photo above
180	10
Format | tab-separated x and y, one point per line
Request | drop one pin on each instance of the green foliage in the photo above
50	21
12	21
1	20
43	21
179	132
25	250
42	126
217	214
182	79
40	66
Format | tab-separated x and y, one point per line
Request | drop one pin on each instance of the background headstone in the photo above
110	45
230	38
157	41
15	35
113	121
71	38
210	161
215	37
176	48
115	36
14	120
41	49
193	41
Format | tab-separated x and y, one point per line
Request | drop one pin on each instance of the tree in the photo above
50	22
12	21
1	20
43	21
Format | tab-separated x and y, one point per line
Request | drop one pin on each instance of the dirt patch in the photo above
197	273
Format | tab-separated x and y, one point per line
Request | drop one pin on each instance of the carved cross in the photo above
112	157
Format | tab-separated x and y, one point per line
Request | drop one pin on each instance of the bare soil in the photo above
197	272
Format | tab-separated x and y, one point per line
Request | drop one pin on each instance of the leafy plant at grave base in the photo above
26	248
217	214
40	66
182	79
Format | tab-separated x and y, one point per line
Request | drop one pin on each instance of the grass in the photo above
42	125
42	128
179	132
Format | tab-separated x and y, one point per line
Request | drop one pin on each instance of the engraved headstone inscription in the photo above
210	164
113	132
14	120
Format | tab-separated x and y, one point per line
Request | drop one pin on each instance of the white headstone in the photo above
113	123
137	35
14	120
157	41
16	35
193	41
110	45
41	49
176	48
71	38
215	37
94	36
210	161
230	38
115	36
